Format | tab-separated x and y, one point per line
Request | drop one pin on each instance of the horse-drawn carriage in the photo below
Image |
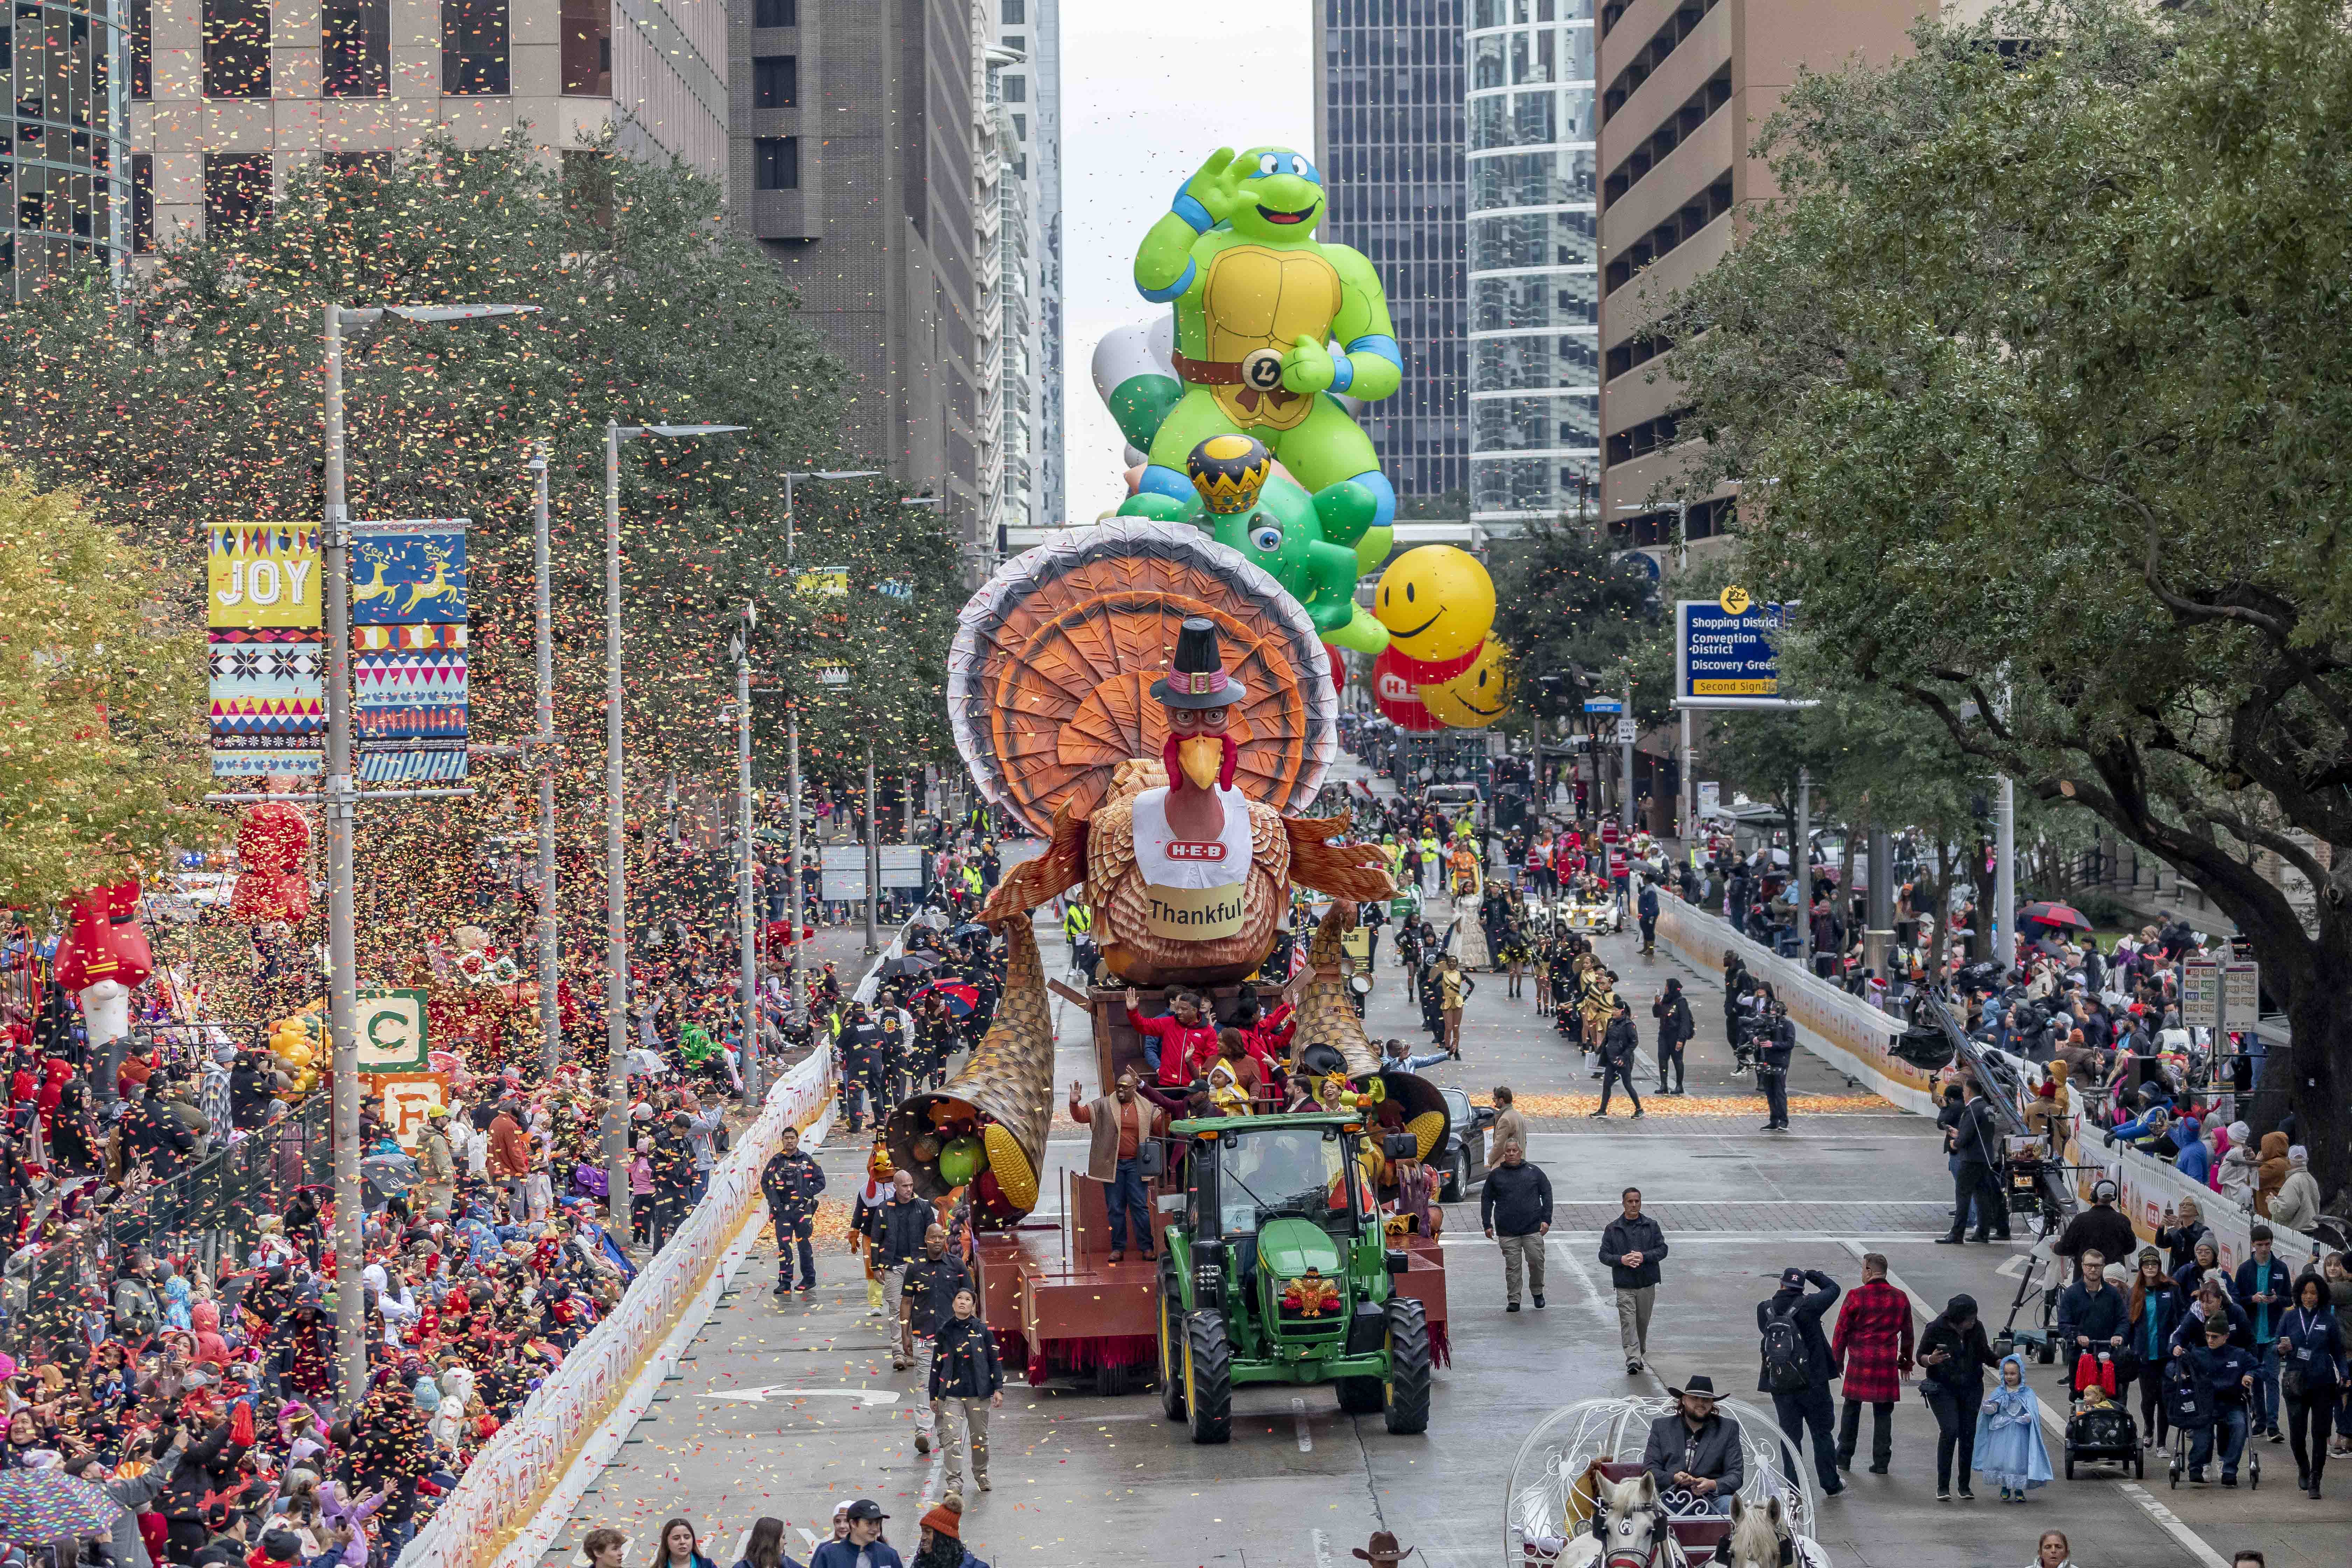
1579	1497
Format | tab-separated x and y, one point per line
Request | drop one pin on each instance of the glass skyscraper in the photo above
1534	303
65	156
1388	134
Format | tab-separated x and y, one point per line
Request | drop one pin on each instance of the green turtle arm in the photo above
1363	328
1164	268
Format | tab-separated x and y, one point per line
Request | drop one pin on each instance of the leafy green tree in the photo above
194	395
2041	355
102	727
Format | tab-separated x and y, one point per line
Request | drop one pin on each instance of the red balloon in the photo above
1431	672
1399	702
1338	668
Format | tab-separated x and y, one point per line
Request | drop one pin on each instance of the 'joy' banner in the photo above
262	585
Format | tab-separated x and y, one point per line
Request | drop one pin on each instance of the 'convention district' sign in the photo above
1720	654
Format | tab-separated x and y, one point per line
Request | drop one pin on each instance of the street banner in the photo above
408	649
267	688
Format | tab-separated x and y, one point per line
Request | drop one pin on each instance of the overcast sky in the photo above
1149	90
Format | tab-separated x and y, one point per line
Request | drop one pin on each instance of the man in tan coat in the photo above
1121	1122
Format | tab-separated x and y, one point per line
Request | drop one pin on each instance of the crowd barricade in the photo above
507	1481
1857	1038
1841	1029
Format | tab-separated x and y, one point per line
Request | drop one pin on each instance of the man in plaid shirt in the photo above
1872	1349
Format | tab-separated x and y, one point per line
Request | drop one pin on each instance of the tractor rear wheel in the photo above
1409	1366
1208	1377
1172	1347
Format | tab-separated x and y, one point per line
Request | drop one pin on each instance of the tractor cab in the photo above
1276	1270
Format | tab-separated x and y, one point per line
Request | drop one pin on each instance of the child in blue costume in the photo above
2008	1434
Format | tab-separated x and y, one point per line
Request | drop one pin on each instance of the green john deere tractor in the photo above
1278	1270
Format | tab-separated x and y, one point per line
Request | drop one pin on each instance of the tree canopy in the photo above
102	727
2040	361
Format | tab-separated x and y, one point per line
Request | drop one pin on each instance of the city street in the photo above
1079	1478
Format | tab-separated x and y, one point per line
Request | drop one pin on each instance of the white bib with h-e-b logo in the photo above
1196	885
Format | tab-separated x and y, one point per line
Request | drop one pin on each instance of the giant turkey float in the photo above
1161	710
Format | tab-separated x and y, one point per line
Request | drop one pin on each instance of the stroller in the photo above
2191	1411
2101	1431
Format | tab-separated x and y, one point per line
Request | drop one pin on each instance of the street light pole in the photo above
343	994
793	722
1625	763
748	959
616	933
549	1017
873	855
339	797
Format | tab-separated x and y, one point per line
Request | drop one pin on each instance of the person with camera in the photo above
1775	1045
1973	1138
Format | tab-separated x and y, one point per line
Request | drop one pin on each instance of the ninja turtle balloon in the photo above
1259	303
1307	543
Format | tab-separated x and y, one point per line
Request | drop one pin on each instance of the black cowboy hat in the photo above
1697	1383
1382	1548
1196	673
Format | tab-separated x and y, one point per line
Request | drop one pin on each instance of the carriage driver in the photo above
1695	1451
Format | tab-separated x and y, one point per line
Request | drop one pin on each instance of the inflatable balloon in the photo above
959	1162
1479	694
1307	543
1438	604
1258	302
1399	699
1135	378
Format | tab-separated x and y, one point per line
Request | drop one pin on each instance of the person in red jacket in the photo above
1872	1349
1188	1042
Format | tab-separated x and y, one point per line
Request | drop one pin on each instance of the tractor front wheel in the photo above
1409	1366
1208	1377
1172	1347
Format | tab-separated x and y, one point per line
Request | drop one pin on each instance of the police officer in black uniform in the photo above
790	1181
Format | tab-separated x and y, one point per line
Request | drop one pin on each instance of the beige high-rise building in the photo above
227	94
1684	86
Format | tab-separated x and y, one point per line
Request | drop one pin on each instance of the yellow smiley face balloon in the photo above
1479	694
1437	602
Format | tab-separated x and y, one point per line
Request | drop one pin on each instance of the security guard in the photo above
790	1181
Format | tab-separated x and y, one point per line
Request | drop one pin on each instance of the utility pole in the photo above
2004	879
1801	867
343	994
873	857
550	1022
749	958
616	930
1625	764
338	796
793	715
1690	789
1879	934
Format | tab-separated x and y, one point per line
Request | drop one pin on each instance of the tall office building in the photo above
1687	84
65	140
1534	323
1000	335
853	163
1388	139
226	93
1029	32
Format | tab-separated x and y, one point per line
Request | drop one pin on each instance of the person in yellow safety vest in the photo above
1395	852
972	889
1430	859
1076	920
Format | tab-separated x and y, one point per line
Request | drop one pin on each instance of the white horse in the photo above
1629	1531
1762	1538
